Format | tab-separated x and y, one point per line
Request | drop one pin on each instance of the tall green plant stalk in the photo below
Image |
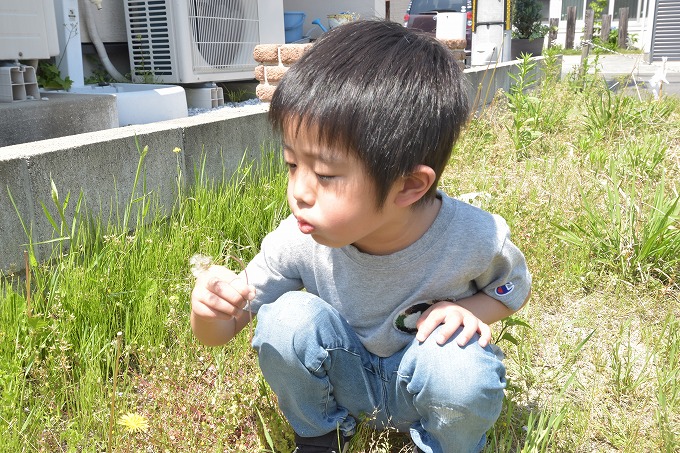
27	267
524	106
143	199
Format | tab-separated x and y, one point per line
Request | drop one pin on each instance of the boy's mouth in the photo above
305	227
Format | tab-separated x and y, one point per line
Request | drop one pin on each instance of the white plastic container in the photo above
140	103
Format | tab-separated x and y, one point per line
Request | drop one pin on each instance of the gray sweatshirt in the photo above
465	250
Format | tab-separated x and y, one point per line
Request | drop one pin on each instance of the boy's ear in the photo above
415	185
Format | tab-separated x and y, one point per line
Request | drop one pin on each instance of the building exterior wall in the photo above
666	31
320	10
110	22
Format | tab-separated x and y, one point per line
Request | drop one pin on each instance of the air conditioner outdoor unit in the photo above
197	41
28	30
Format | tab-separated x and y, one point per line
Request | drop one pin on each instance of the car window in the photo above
421	6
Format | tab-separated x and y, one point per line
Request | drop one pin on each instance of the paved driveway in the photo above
634	68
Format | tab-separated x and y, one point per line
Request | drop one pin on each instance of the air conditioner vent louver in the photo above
150	38
187	41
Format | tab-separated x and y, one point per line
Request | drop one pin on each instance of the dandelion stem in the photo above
112	415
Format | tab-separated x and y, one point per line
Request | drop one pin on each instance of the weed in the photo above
49	77
630	228
238	95
525	106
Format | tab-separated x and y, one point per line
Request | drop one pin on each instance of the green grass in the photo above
588	181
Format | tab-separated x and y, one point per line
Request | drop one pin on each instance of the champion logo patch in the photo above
506	289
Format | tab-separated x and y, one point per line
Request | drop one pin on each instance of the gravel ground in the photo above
227	105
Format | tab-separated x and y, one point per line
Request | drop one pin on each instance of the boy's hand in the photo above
220	294
451	316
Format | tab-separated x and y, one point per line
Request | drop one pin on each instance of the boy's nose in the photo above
303	191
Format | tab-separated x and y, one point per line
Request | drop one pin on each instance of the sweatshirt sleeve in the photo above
274	270
507	278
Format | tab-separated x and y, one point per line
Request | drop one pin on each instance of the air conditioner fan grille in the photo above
224	34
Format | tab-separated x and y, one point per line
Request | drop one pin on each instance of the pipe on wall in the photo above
96	39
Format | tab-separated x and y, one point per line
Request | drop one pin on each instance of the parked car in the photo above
422	15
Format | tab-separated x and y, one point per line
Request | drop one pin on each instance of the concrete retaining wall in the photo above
56	115
484	82
102	165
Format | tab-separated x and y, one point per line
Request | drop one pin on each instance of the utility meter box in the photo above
490	31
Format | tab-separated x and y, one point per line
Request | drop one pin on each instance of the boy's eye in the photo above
290	165
324	177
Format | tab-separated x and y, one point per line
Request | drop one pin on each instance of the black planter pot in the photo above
531	46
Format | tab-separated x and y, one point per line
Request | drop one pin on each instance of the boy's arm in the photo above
216	332
486	308
473	314
217	305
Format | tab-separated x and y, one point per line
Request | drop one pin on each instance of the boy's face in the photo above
331	195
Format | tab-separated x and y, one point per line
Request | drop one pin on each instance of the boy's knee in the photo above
295	315
284	317
461	378
291	309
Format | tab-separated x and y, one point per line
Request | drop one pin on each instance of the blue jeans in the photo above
447	397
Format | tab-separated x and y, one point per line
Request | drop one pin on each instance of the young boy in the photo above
400	281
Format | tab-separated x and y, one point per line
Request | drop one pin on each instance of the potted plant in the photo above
527	30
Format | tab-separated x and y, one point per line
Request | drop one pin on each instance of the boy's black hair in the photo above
392	97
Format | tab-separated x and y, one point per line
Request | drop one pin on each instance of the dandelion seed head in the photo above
200	263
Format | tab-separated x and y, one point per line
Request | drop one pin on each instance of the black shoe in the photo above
333	442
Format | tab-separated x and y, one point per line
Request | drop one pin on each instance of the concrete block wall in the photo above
102	165
273	62
483	82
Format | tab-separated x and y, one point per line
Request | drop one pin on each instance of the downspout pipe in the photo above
85	6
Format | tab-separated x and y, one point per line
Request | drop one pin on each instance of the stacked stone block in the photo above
275	59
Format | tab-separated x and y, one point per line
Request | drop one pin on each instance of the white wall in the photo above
110	22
